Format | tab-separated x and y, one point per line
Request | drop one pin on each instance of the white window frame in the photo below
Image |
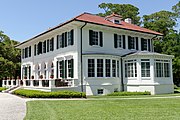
119	40
130	68
95	36
146	69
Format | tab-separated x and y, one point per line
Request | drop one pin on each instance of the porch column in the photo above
40	83
31	83
138	70
51	83
171	71
152	69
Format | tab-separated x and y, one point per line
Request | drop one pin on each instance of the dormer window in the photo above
115	18
117	21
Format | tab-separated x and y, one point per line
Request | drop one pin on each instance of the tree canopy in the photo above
9	57
125	10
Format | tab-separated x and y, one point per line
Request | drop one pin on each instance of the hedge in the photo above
42	94
2	88
129	93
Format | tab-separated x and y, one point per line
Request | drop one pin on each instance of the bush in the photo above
2	88
42	94
129	93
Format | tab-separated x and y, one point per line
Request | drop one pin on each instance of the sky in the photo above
23	19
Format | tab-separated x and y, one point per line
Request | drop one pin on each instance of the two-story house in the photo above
96	55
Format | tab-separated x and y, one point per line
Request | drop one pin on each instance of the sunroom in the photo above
148	71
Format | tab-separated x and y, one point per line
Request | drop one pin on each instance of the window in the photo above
95	38
100	91
60	41
113	68
145	68
70	37
132	42
51	44
35	50
117	68
145	44
119	41
99	67
130	68
61	67
29	51
162	68
91	67
116	21
70	68
108	68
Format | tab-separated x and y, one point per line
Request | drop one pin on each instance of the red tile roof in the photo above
94	19
87	17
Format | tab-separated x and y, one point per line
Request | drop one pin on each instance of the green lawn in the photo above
144	109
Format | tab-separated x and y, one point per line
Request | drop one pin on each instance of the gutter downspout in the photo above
152	46
122	76
81	59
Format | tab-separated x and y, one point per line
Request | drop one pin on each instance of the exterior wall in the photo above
90	85
108	39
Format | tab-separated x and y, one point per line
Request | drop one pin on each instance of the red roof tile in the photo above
87	17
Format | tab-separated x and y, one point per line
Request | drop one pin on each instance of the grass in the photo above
2	88
149	109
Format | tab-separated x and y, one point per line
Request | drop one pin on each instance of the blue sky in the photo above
23	19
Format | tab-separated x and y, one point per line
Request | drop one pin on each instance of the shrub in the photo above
2	88
129	93
42	94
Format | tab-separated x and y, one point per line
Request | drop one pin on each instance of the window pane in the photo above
108	67
113	68
91	67
99	67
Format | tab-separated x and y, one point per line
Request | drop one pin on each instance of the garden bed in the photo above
129	93
2	88
42	94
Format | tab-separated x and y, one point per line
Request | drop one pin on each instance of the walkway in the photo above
12	107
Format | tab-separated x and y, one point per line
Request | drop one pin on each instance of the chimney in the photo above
128	20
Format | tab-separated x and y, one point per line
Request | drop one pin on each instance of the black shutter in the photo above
29	72
72	37
22	53
101	38
124	42
115	40
149	45
65	69
47	45
90	37
129	42
35	50
44	46
39	48
57	42
63	76
72	69
52	44
137	46
142	44
57	73
29	51
65	40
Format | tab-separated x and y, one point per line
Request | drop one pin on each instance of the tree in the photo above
162	21
9	57
125	10
176	9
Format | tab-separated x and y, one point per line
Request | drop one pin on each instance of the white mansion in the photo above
96	55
